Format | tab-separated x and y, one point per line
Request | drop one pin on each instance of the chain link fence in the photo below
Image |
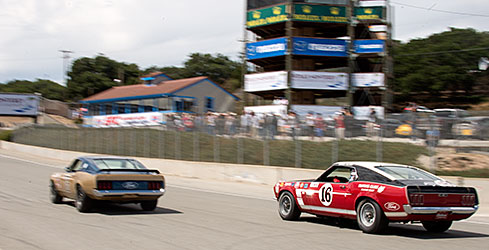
301	151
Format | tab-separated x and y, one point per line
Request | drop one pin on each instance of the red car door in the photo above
330	195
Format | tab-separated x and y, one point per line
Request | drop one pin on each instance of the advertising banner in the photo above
363	112
368	79
369	46
266	48
327	112
126	120
17	104
266	81
266	16
267	109
371	3
319	13
319	80
369	13
318	47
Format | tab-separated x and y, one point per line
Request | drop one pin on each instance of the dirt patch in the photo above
449	160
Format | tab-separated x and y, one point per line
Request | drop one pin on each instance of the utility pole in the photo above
66	60
288	55
352	22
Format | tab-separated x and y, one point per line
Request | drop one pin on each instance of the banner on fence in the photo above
125	120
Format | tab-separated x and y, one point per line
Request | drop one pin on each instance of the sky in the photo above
164	32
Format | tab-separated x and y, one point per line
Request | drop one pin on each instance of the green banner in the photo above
320	13
266	16
369	13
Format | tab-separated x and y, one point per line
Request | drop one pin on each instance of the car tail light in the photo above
154	185
416	199
104	185
468	200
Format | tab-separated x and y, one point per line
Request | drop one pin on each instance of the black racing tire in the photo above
149	205
370	217
287	208
436	226
54	195
82	202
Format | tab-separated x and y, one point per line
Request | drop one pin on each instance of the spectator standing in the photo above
371	122
339	125
211	123
320	125
292	123
310	124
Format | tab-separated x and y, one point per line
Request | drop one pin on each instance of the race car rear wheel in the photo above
149	205
83	203
288	209
436	226
370	217
54	196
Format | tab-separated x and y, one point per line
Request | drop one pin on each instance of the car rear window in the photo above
405	173
118	164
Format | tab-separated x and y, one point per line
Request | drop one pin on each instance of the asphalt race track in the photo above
192	216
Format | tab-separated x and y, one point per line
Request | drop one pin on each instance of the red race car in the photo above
377	193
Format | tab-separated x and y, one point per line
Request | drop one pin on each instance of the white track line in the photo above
28	161
224	193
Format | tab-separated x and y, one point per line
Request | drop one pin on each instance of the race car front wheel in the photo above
436	226
83	203
288	209
370	217
54	196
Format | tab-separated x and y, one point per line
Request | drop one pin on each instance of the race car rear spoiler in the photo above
131	170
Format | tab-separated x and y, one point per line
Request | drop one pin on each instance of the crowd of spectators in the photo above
262	125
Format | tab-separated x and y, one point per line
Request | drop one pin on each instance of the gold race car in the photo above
103	178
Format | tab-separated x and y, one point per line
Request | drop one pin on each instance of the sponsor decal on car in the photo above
371	188
315	184
392	206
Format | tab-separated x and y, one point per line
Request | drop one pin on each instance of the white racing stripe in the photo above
329	209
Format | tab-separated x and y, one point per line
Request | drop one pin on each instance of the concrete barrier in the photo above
202	170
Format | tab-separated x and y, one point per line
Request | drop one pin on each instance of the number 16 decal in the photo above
326	194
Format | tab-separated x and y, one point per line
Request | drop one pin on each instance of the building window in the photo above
209	103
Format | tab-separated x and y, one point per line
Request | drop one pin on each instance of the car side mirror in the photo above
68	169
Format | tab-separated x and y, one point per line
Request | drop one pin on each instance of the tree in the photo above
47	88
218	68
440	64
89	76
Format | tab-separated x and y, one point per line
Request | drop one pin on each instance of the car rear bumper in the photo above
122	193
434	210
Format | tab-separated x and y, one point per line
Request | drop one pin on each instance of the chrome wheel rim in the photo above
285	205
367	214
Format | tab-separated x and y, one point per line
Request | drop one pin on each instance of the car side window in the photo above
339	174
78	166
